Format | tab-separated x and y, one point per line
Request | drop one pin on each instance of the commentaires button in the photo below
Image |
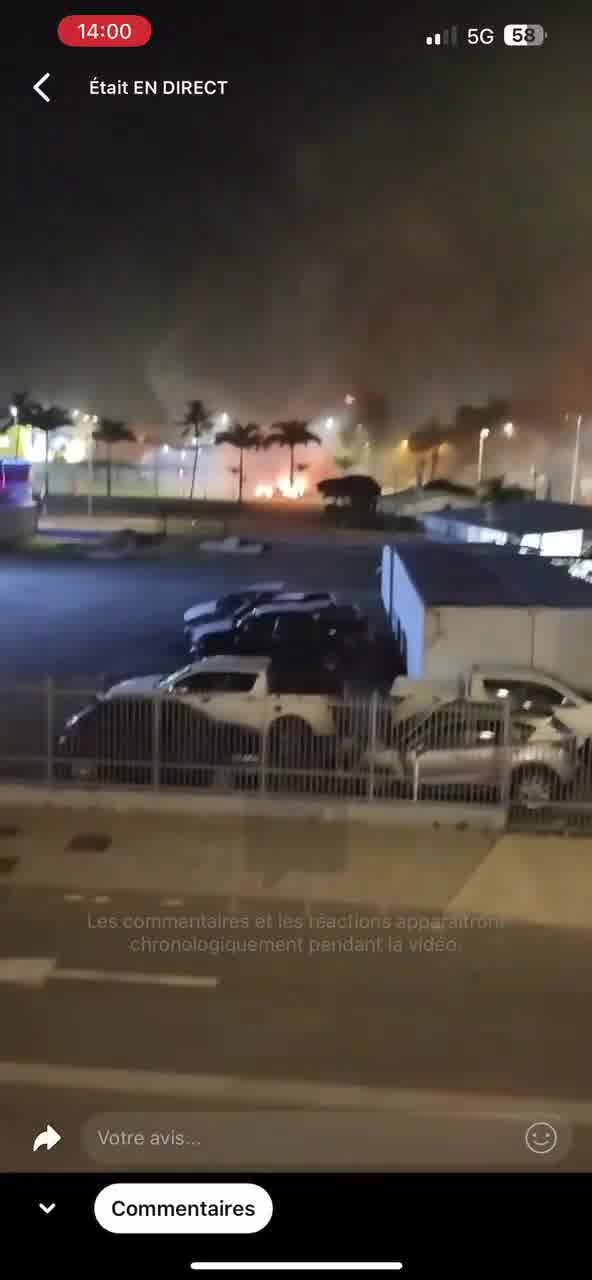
183	1208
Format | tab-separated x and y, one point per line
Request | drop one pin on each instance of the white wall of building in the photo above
386	579
563	643
452	639
404	609
458	637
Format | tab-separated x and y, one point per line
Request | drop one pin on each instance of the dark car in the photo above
332	637
233	605
140	740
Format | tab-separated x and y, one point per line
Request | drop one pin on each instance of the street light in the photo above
349	399
483	434
509	429
14	412
224	419
75	413
329	424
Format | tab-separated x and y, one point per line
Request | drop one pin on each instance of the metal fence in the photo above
296	745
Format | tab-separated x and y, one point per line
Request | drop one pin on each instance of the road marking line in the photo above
171	902
73	897
137	979
101	897
296	1266
36	971
287	1093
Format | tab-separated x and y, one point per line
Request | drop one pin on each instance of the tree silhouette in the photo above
110	432
290	435
196	422
242	438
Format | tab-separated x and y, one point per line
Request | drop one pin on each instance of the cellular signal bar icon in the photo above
447	37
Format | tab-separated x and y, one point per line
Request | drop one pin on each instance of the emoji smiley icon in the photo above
541	1138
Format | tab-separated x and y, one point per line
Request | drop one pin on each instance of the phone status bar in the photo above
516	35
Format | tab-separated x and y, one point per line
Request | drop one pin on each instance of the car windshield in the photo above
176	675
234	600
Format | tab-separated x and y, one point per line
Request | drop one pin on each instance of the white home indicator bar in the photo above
296	1266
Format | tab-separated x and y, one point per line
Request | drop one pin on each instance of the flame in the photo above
296	490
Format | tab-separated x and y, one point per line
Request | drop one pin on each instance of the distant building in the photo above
559	529
436	495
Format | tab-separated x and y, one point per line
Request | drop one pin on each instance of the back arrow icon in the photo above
39	90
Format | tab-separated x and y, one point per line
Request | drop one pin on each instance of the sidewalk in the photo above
299	860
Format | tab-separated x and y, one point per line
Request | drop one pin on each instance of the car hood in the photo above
139	684
576	719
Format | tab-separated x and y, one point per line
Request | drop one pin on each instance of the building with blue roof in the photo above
451	605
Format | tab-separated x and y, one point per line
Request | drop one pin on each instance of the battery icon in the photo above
524	35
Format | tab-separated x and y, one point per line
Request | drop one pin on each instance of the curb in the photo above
401	813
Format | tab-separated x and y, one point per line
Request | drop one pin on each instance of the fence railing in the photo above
290	744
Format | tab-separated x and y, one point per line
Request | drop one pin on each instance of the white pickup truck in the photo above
242	692
526	690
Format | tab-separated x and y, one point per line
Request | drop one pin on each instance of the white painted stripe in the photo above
286	1093
296	1266
136	979
171	902
101	897
73	897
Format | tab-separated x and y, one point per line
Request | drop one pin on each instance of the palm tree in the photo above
110	432
290	435
241	438
195	423
48	420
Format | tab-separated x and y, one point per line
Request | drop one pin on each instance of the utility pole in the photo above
90	473
576	459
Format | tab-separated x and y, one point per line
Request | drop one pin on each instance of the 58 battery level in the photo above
524	35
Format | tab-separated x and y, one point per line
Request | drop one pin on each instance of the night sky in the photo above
359	212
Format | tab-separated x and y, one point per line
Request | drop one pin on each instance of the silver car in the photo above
461	744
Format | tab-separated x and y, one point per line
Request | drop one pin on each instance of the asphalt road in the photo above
280	1029
83	622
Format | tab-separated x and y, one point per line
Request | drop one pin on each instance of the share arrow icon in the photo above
47	1138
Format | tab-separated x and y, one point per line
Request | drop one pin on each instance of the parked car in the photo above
228	605
332	637
115	740
234	546
244	691
218	712
294	601
460	744
525	691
